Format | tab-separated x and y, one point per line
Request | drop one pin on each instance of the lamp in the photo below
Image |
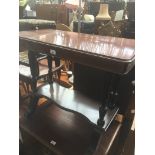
103	13
75	5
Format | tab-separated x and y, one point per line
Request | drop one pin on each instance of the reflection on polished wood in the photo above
73	135
108	53
76	102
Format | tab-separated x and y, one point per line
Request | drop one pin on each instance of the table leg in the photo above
32	106
110	98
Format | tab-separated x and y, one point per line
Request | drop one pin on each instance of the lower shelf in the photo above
76	102
60	132
72	134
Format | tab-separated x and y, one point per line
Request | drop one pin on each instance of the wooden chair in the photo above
43	72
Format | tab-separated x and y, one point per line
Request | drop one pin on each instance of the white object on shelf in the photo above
119	15
89	18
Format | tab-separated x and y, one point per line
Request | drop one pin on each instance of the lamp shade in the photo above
103	13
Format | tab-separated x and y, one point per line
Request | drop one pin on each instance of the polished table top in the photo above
109	53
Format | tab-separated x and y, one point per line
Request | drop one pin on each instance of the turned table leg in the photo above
110	98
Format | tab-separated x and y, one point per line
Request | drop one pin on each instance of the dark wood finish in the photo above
127	136
56	12
127	139
76	102
84	75
108	53
114	55
129	147
43	11
108	142
73	135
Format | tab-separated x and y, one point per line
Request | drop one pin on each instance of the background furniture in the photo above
22	5
56	12
94	7
127	27
129	31
109	29
102	17
34	24
86	27
62	27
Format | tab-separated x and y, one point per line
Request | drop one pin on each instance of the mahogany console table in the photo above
111	54
115	56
